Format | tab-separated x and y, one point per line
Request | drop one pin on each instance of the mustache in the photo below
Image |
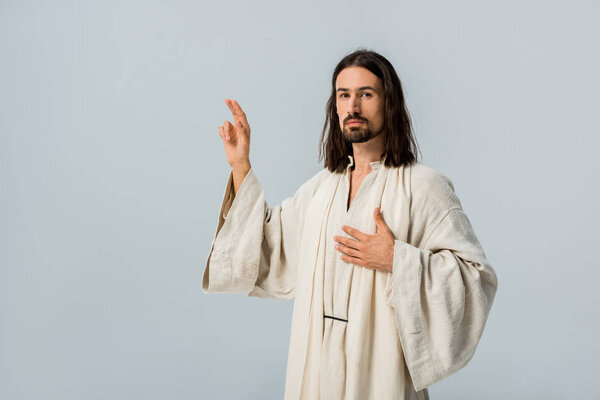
348	118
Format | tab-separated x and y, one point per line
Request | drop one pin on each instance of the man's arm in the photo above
255	249
255	246
443	286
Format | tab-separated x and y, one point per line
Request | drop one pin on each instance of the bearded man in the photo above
391	287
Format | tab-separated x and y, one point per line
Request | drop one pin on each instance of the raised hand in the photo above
236	137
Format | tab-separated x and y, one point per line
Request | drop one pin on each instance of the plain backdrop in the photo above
112	173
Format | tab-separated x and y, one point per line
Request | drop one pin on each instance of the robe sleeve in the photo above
255	246
442	295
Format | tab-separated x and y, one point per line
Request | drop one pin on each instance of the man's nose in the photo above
354	105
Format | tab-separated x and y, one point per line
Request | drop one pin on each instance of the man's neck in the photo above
365	153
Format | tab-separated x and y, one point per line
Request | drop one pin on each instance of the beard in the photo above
358	134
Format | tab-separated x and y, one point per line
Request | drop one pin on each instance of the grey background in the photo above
112	173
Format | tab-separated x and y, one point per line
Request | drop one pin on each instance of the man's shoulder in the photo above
426	177
432	186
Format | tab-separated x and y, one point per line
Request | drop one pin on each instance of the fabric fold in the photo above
255	248
442	297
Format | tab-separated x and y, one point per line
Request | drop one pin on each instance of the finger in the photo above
231	108
222	133
379	219
354	232
226	130
236	117
352	260
239	110
236	110
230	128
348	251
377	214
229	105
352	243
236	133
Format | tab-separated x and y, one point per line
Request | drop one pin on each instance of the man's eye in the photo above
343	94
367	94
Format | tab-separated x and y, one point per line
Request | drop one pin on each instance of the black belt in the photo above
336	318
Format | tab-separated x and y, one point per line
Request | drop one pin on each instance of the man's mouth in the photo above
354	122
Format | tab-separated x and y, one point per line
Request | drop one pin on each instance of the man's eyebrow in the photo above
360	88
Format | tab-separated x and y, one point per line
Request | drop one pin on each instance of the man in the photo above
392	288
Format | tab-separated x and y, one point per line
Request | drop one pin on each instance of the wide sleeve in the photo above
255	247
442	295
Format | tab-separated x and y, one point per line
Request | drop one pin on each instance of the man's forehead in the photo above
357	78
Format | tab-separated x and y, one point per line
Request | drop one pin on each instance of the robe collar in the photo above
374	164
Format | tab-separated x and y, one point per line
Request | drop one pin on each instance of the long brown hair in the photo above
400	145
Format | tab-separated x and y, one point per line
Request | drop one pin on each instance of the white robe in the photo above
394	333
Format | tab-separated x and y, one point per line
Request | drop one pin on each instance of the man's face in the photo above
359	103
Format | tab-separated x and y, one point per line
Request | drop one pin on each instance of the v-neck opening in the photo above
375	165
348	193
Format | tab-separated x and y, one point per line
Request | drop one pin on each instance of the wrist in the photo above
241	166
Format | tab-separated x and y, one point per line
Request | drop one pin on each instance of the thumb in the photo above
379	219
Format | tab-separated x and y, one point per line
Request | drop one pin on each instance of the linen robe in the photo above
358	333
